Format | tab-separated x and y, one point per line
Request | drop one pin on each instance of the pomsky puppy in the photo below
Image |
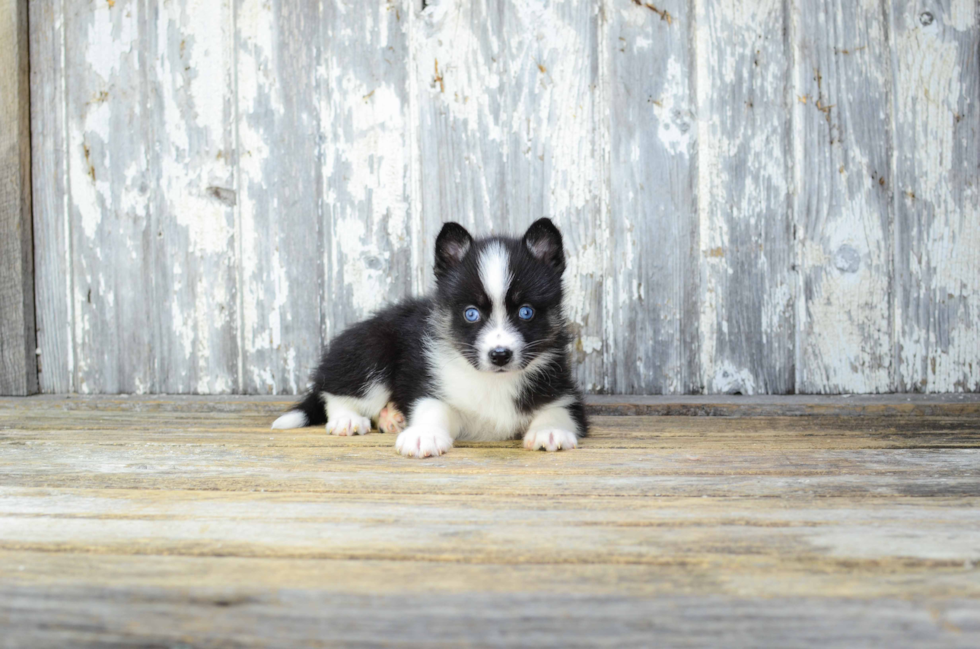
484	358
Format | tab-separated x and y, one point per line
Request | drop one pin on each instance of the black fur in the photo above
391	346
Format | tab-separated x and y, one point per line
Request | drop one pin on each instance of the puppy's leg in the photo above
432	428
347	415
391	420
555	427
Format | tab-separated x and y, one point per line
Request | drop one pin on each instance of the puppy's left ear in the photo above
543	240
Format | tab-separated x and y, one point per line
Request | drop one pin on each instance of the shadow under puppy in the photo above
484	358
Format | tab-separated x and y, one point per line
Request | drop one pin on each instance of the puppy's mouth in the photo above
490	368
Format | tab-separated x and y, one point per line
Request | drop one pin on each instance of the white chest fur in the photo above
484	403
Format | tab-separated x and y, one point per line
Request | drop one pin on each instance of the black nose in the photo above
500	356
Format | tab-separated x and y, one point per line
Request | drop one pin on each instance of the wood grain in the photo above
242	616
18	362
111	190
652	333
937	194
170	524
190	108
372	227
746	237
843	148
281	255
53	289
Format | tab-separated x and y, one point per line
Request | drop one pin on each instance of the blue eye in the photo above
525	313
472	314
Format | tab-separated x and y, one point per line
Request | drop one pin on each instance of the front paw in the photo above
423	441
550	439
348	424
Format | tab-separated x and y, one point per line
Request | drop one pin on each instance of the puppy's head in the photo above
499	298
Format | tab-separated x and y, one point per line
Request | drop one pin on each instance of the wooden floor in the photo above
187	522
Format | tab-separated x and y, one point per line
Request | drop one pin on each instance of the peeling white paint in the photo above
729	379
938	180
458	61
262	276
742	189
591	344
962	14
582	269
674	121
353	248
103	30
493	118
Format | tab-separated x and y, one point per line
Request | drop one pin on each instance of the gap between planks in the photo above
950	404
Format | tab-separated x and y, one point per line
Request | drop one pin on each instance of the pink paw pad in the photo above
391	420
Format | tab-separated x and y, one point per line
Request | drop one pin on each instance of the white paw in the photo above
391	420
348	423
550	439
423	441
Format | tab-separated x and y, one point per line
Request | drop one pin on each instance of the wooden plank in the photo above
190	128
652	338
508	115
550	125
18	362
937	194
87	434
27	421
267	408
906	405
873	475
323	617
674	457
371	226
909	535
151	227
52	227
843	211
746	233
828	434
253	577
280	245
461	138
109	196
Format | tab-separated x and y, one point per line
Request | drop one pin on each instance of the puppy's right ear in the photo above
452	244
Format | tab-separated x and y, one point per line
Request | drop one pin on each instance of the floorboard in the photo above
156	522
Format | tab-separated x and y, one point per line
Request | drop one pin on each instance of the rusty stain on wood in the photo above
438	77
663	13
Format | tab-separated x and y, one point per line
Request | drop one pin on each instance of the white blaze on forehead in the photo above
496	278
495	274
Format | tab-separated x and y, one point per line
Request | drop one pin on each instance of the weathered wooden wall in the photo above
757	196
